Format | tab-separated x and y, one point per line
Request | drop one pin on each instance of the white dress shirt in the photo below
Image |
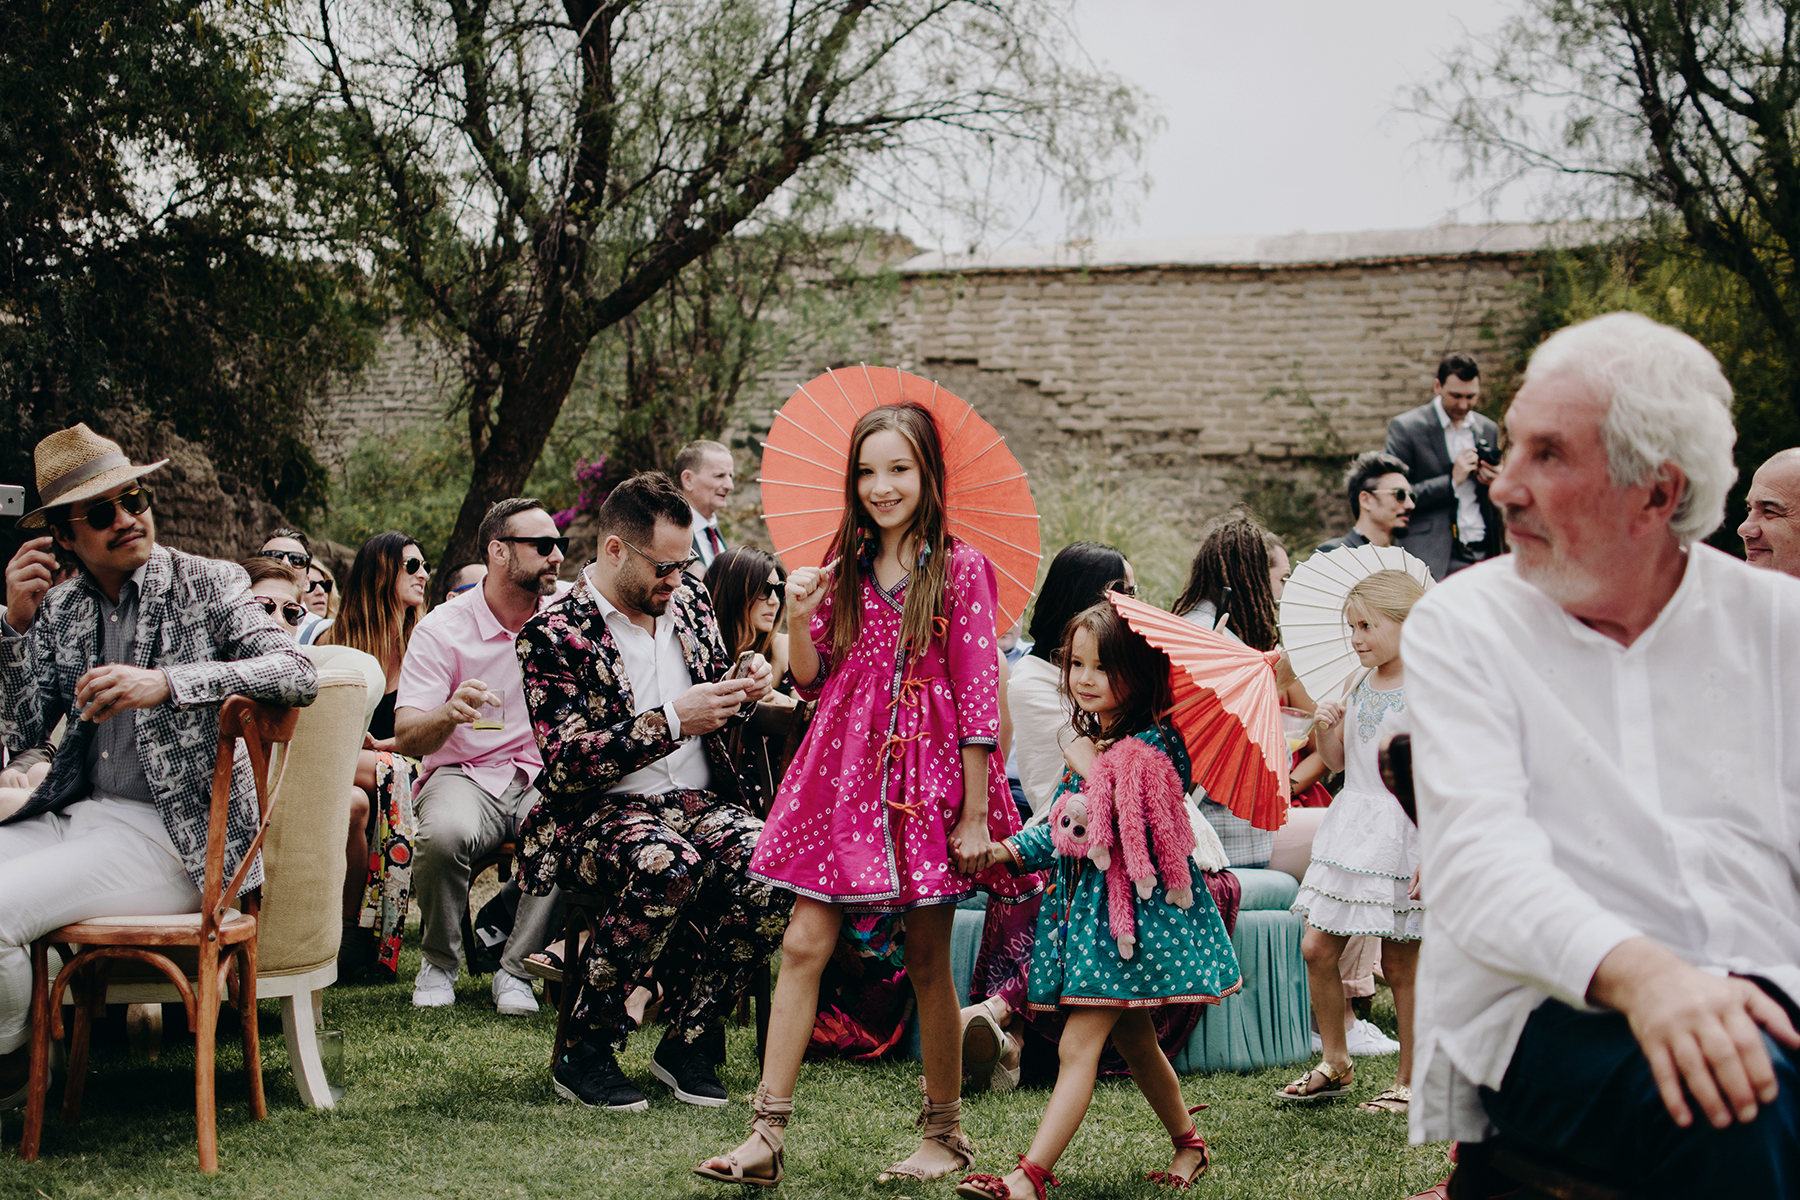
1471	526
1574	793
702	544
658	675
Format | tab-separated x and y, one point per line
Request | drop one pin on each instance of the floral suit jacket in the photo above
582	715
199	625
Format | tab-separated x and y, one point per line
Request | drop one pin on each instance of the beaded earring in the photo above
924	553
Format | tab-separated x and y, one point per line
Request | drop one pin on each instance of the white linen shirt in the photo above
1471	526
1574	793
658	675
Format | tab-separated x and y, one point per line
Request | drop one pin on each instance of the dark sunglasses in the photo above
460	588
292	558
1124	589
663	568
290	612
543	545
100	516
1400	494
319	585
412	566
776	591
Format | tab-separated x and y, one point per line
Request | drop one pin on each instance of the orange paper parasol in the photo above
1227	709
807	454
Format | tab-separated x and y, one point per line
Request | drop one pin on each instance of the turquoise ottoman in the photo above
1268	1022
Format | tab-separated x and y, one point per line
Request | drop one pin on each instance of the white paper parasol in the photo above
1313	631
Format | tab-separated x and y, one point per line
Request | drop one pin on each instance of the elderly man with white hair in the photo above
1607	750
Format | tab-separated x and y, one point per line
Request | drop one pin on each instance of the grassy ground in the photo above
457	1103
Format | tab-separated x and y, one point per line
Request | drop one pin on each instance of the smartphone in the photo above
746	662
12	500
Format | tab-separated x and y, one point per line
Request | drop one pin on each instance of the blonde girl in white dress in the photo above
1364	873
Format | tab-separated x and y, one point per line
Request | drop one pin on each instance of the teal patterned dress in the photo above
1183	956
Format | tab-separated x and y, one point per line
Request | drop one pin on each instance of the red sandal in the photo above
994	1187
1191	1140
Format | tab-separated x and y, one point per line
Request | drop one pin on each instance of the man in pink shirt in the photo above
461	710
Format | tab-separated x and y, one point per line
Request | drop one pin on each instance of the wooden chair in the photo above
223	937
501	860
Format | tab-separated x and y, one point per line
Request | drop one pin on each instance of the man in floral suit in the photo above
138	650
626	681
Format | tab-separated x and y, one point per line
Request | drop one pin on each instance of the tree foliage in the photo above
535	174
1680	110
153	202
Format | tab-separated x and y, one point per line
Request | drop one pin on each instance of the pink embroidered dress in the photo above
865	811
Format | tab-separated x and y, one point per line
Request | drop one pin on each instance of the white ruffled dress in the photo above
1366	850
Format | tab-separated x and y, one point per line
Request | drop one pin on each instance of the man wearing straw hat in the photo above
137	651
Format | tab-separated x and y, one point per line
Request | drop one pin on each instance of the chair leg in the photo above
38	1097
259	1104
565	1003
90	1002
762	986
206	1028
299	1025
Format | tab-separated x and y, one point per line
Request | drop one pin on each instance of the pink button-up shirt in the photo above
459	640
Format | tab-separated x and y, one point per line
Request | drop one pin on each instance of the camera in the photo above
1487	452
12	500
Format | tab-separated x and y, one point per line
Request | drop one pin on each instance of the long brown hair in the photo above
371	618
1234	553
738	579
928	579
1137	672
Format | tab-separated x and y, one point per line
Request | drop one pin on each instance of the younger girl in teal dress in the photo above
1119	685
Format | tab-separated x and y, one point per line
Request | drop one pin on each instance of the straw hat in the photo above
78	464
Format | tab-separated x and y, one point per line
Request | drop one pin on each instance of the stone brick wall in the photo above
411	380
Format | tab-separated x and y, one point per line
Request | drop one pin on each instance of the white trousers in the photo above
95	858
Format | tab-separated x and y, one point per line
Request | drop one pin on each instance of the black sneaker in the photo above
688	1070
591	1076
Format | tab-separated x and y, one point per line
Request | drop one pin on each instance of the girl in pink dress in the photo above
894	794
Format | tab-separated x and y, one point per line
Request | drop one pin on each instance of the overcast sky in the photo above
1282	114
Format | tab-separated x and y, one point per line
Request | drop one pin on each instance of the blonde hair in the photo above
1390	593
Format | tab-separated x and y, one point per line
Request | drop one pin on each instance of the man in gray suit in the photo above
1451	454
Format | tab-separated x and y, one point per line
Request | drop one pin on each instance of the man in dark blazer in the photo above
1380	498
626	681
1451	454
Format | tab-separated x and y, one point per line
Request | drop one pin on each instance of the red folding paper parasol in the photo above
1227	709
807	453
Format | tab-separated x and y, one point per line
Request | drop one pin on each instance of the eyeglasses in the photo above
663	568
1400	494
292	558
543	545
100	516
1124	589
460	588
413	566
290	612
318	585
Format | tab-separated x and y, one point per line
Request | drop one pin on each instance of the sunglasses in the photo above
319	585
290	612
100	516
776	591
1124	589
663	568
460	588
1400	494
292	558
412	566
543	545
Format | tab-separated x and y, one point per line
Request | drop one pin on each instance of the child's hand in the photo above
1328	714
805	589
1412	889
969	844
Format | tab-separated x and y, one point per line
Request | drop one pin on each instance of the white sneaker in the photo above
1366	1040
512	995
434	987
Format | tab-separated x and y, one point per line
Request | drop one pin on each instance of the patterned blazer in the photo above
581	712
199	625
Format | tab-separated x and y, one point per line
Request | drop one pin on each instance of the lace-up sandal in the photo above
995	1187
771	1117
1336	1085
940	1123
1191	1140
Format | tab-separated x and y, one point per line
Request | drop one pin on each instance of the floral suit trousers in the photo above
681	910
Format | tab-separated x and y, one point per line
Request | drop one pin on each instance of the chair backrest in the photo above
300	921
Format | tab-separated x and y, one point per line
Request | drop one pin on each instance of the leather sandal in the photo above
1336	1087
940	1123
1191	1140
1397	1099
983	1043
995	1187
771	1117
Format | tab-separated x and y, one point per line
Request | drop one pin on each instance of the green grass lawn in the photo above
457	1103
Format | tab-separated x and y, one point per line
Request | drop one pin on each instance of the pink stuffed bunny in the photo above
1133	799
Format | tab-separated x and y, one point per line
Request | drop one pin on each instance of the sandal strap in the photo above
993	1185
942	1123
771	1116
1040	1177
